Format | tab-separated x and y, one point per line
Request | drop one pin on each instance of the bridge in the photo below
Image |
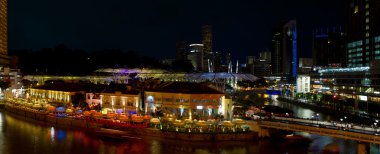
344	131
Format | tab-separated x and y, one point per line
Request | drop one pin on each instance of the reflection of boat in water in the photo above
115	135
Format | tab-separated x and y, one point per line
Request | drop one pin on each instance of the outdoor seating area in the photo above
169	123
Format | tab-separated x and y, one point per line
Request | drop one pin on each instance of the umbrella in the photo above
239	122
178	123
86	113
69	111
51	108
123	118
98	115
188	121
211	121
37	106
201	123
155	120
227	124
60	109
146	117
111	115
137	118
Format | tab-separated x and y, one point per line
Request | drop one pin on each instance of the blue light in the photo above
294	60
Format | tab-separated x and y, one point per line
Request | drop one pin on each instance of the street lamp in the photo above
374	126
287	116
345	121
312	117
317	118
341	125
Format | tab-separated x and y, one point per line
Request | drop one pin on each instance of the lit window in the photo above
367	6
367	34
366	13
377	39
366	27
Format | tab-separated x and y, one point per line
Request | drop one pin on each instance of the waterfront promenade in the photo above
107	127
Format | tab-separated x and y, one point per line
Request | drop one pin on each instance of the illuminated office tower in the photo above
363	32
284	50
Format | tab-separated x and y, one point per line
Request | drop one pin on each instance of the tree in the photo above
182	66
78	100
4	85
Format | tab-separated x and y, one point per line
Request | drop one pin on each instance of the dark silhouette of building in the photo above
328	47
262	64
250	64
208	55
207	39
196	57
363	32
181	51
217	64
284	50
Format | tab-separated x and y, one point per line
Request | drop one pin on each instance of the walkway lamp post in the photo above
286	117
345	121
317	118
312	118
341	125
374	126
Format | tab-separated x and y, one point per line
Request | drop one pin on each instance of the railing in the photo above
322	131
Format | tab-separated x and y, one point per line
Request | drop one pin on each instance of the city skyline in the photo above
242	28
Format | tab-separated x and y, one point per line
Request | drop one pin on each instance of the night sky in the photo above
152	27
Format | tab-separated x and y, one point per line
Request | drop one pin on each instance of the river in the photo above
318	141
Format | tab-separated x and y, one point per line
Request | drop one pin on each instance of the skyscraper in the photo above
328	47
262	65
363	32
196	57
208	56
4	59
207	39
284	52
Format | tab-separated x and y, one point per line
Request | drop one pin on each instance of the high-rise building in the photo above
305	65
262	65
265	56
284	52
250	64
195	56
4	59
363	32
328	47
181	51
217	64
208	55
207	39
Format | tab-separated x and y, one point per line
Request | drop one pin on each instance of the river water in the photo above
18	135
